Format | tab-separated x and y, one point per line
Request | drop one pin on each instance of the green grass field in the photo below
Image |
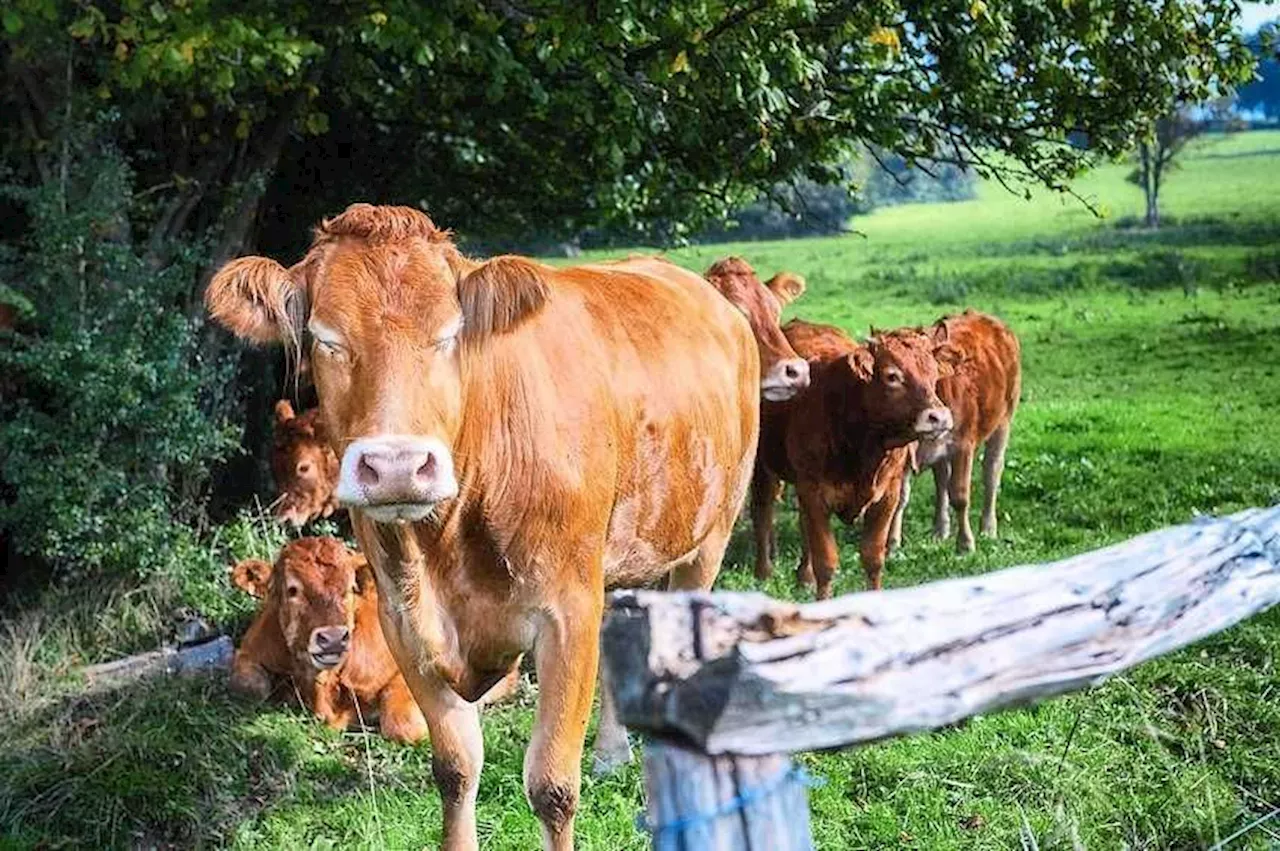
1152	375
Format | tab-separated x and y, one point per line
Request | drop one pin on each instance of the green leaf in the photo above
12	21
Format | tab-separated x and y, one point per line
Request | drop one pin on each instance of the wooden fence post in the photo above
723	802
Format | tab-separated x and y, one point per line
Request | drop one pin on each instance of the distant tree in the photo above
1263	93
1167	138
1155	156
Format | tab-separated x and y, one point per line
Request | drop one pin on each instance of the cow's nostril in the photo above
334	638
796	371
427	470
366	475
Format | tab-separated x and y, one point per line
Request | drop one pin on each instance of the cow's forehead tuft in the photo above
379	224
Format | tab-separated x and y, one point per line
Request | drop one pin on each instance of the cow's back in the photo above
629	403
816	342
983	393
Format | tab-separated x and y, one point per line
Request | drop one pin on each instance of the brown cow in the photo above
843	442
784	373
318	626
304	466
982	396
515	438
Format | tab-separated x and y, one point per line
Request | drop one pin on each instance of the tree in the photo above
1169	135
509	116
1155	155
242	122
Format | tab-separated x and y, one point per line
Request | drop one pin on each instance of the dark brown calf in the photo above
843	442
982	395
304	465
318	626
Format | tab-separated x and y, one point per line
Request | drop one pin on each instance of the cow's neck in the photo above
861	444
444	592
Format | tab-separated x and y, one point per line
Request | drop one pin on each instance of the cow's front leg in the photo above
399	717
457	753
823	555
612	748
877	523
249	678
568	655
895	527
764	496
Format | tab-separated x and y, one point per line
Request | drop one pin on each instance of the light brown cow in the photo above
515	438
318	631
304	466
844	442
982	396
783	372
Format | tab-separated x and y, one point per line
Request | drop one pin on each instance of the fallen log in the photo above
211	655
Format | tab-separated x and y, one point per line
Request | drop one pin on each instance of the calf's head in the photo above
783	373
303	464
313	589
394	314
898	374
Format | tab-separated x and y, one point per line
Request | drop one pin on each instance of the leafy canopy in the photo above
511	115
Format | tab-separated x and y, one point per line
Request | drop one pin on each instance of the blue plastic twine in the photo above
795	774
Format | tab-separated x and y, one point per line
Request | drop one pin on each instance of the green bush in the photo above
106	446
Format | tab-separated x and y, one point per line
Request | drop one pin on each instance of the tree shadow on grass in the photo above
167	763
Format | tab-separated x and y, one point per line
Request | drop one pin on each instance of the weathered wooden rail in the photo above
726	684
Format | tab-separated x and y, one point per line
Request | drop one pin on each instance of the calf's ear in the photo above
861	363
253	576
364	573
259	300
284	412
786	287
499	295
948	358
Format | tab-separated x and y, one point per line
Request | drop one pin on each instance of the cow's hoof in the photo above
606	761
964	547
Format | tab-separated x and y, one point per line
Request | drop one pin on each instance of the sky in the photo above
1255	14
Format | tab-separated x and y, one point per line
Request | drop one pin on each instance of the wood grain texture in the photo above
741	673
723	803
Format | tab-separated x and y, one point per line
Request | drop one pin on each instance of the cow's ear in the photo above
786	287
948	358
284	412
862	363
252	576
364	573
500	294
259	300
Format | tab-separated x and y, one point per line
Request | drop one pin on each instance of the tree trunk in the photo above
1153	202
1150	185
240	217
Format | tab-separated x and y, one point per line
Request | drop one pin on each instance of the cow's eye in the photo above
893	378
330	349
291	590
445	344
